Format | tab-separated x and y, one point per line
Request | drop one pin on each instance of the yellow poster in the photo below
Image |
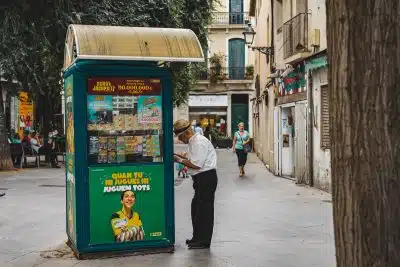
25	113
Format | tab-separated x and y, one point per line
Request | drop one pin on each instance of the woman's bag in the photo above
246	147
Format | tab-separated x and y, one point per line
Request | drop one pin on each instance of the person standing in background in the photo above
241	138
202	163
198	129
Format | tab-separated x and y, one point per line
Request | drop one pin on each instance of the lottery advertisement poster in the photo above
126	203
100	109
149	109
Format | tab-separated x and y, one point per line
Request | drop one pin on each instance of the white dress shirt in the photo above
202	154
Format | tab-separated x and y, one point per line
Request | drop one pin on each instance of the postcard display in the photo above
124	120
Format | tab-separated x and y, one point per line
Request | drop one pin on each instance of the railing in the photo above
295	35
224	18
230	73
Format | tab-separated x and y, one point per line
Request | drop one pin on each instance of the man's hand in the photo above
177	159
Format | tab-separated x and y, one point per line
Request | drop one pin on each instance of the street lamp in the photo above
249	34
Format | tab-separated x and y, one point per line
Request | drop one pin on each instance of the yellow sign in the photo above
25	113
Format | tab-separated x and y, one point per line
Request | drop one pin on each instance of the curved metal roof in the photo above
131	43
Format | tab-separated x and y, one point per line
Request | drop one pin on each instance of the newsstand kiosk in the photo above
119	159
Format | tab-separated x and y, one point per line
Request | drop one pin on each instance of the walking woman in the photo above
240	140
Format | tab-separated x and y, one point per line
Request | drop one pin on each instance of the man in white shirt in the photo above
202	163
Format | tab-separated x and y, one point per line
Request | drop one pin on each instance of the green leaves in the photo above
32	35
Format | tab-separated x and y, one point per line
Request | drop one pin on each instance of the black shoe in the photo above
190	241
198	246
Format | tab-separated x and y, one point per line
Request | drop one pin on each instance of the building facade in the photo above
264	100
221	98
295	78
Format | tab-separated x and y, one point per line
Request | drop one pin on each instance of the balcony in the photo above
295	38
230	18
230	73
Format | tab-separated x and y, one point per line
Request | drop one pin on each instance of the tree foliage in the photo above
33	32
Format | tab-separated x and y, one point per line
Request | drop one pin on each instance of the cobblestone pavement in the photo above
261	220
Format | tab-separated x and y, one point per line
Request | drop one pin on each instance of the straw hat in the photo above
180	126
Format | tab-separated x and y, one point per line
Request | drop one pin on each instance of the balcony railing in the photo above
224	18
230	73
295	35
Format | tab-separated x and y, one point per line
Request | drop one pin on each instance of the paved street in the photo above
261	220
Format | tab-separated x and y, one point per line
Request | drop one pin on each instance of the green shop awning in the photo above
316	63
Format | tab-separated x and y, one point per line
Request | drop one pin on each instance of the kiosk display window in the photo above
124	118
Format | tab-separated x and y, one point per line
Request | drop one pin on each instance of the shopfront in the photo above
290	126
210	111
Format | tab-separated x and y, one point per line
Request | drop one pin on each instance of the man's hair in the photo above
123	193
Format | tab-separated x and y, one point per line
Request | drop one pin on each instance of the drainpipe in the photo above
272	57
310	126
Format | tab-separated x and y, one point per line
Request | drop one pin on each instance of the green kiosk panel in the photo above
119	159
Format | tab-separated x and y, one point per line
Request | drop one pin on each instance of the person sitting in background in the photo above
14	139
43	150
35	143
26	139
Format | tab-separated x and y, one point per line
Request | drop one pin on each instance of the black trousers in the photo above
242	157
204	185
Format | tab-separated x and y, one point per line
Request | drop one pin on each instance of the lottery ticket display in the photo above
124	126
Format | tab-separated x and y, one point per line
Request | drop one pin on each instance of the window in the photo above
325	127
236	59
124	120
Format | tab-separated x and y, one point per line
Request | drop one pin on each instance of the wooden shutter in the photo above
325	128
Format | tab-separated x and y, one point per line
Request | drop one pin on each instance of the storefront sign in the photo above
70	160
123	87
126	204
208	100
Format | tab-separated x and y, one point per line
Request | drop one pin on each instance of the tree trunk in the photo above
5	153
364	77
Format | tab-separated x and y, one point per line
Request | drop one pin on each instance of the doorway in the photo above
239	111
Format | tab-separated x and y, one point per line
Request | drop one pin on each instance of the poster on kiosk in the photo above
119	155
125	127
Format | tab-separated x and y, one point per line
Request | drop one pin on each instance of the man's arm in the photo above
197	158
186	162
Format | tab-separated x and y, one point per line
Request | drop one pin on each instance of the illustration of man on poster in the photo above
126	223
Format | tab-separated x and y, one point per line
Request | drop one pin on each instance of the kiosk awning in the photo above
131	43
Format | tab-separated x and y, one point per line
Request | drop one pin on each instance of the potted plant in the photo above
249	72
216	70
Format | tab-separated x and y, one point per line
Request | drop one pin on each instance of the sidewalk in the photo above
261	220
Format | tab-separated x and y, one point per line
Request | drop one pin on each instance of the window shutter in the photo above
325	128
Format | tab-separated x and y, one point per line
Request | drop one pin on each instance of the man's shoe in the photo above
190	241
198	246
